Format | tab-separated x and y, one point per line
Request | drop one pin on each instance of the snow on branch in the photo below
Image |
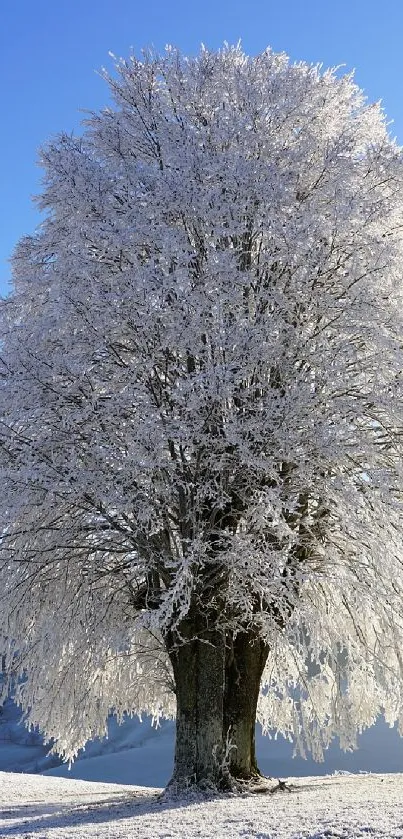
201	399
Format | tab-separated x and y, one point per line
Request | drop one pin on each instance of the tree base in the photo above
225	785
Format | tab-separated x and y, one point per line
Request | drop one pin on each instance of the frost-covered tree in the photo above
201	415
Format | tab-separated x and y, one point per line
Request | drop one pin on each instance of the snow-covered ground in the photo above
338	807
331	806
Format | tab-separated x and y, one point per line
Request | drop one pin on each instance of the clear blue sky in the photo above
51	49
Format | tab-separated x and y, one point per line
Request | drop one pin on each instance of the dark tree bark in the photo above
217	681
245	661
198	661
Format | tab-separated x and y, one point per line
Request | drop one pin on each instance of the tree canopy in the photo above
201	404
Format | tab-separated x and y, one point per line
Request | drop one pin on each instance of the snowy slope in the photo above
339	807
21	750
137	753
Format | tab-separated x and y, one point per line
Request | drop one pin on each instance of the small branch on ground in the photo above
281	786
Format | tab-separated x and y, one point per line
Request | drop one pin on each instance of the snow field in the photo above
337	807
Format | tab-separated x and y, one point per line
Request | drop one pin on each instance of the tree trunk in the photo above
198	661
245	661
217	687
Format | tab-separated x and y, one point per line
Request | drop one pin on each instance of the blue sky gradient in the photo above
51	51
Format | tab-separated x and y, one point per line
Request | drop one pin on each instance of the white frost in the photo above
338	807
201	397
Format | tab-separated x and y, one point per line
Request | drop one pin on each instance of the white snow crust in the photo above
337	807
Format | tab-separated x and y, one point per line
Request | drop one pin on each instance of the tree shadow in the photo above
37	817
38	808
32	818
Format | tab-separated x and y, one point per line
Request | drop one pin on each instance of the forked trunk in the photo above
217	686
